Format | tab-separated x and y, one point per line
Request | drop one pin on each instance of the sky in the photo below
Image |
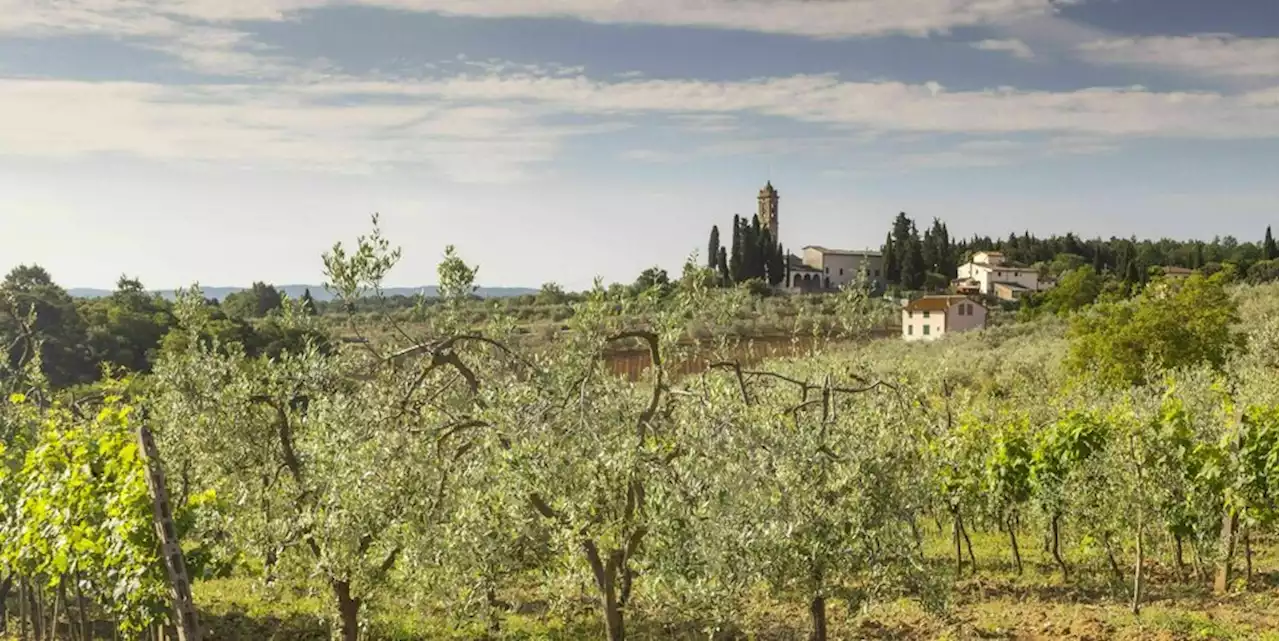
231	141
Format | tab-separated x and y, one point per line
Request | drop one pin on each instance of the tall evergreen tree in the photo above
763	242
755	262
946	253
735	252
308	303
777	266
929	251
901	240
889	259
722	264
713	247
913	269
1269	249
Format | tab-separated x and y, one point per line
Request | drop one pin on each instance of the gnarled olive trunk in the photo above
606	576
348	611
818	612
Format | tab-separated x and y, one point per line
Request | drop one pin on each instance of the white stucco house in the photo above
985	269
932	317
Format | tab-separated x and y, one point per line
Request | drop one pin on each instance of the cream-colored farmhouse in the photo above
932	317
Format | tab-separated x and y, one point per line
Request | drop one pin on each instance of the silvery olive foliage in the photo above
461	468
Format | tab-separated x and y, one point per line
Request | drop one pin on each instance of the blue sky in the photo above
226	141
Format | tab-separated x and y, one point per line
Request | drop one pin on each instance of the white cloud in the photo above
498	128
1015	48
1212	54
823	19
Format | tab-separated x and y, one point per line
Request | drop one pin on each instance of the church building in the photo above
819	268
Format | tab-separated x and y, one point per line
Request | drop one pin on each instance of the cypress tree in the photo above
913	268
1131	273
754	262
722	264
713	247
945	252
735	255
901	245
777	266
889	259
308	303
1270	250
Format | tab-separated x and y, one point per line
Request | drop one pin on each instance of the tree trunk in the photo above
973	561
22	609
1222	580
37	611
956	535
1111	557
818	611
495	624
1248	557
1200	571
1013	541
86	629
1177	555
58	600
348	611
1137	572
5	585
1057	550
606	583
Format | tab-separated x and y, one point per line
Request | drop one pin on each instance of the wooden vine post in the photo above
184	608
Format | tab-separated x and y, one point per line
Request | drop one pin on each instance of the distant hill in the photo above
318	292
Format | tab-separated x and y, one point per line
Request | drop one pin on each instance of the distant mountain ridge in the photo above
318	292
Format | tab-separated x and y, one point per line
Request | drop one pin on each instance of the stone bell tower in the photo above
768	210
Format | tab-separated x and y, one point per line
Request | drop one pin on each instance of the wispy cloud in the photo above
496	127
825	19
1214	54
1014	47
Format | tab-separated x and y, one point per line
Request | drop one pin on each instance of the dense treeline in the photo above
929	261
128	330
449	465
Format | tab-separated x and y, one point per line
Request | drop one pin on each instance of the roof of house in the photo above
1007	268
1012	286
937	303
843	252
795	264
1178	271
990	253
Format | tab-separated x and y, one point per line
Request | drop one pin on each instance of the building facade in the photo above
987	268
839	267
932	317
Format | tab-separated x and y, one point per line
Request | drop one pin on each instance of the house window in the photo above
926	314
826	270
926	330
911	330
876	273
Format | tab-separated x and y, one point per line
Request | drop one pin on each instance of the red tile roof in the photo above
936	303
